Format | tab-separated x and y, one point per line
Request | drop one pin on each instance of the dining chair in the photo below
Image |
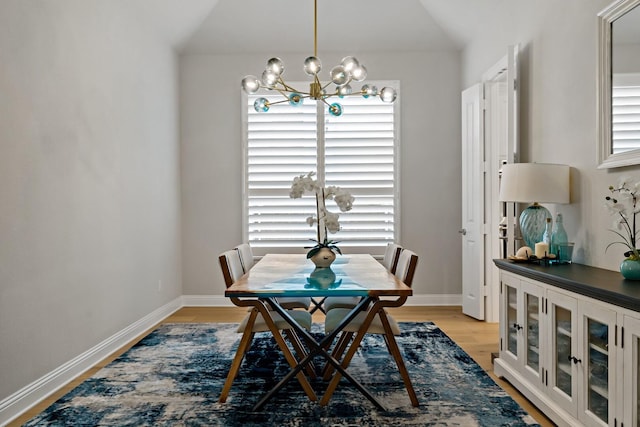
391	256
390	262
374	321
255	321
246	256
247	260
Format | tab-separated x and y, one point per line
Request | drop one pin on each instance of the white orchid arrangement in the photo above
324	219
623	205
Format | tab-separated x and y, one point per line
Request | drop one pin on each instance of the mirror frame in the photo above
605	144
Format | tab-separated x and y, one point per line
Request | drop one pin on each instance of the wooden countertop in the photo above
604	285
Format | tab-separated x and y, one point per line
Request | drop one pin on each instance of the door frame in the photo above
501	140
500	145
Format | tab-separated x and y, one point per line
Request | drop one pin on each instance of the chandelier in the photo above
342	75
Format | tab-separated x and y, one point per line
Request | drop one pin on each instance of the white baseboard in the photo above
21	401
25	398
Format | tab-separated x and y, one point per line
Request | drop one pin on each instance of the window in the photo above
625	112
357	151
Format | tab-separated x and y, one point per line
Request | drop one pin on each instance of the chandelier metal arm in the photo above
349	70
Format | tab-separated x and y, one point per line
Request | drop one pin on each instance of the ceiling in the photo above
285	26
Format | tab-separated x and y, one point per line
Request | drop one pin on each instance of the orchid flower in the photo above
623	205
324	219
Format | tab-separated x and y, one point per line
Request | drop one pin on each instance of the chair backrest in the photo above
231	266
391	255
407	263
246	256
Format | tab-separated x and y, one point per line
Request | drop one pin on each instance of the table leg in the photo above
317	305
318	348
350	353
392	346
259	306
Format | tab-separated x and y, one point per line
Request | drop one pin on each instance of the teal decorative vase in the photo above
533	221
630	269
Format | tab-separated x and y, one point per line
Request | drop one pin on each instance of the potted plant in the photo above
325	250
623	205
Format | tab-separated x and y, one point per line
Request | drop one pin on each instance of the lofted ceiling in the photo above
248	26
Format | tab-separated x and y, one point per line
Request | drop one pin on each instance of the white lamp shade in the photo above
535	182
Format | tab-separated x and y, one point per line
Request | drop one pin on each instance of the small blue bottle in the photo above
558	236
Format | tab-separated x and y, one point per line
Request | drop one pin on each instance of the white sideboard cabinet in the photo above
570	342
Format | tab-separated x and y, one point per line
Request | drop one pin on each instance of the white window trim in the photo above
377	251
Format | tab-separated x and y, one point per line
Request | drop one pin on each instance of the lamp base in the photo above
533	221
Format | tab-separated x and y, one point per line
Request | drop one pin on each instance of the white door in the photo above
472	231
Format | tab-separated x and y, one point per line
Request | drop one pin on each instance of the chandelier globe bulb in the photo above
350	63
359	73
276	66
269	78
339	76
344	90
388	94
261	105
335	109
250	84
312	66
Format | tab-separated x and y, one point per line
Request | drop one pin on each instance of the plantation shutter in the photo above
625	113
359	156
358	153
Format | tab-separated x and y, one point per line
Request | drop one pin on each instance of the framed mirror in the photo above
619	84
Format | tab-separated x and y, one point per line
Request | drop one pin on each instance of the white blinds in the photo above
625	113
359	150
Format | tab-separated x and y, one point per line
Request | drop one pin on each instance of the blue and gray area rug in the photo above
173	377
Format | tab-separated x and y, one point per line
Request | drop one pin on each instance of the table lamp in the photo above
534	183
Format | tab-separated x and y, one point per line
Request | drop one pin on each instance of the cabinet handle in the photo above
517	327
574	359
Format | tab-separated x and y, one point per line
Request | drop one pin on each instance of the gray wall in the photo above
558	43
430	159
89	193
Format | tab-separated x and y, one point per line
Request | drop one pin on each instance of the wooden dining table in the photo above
293	275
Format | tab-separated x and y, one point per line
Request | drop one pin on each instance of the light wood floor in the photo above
478	339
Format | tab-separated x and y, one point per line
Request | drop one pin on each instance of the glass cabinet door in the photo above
598	347
533	331
563	354
631	380
532	314
562	375
598	369
512	320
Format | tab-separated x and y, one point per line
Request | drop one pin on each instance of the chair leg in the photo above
345	363
287	354
394	350
245	343
338	351
300	351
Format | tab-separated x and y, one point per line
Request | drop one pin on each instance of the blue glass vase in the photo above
630	269
533	221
